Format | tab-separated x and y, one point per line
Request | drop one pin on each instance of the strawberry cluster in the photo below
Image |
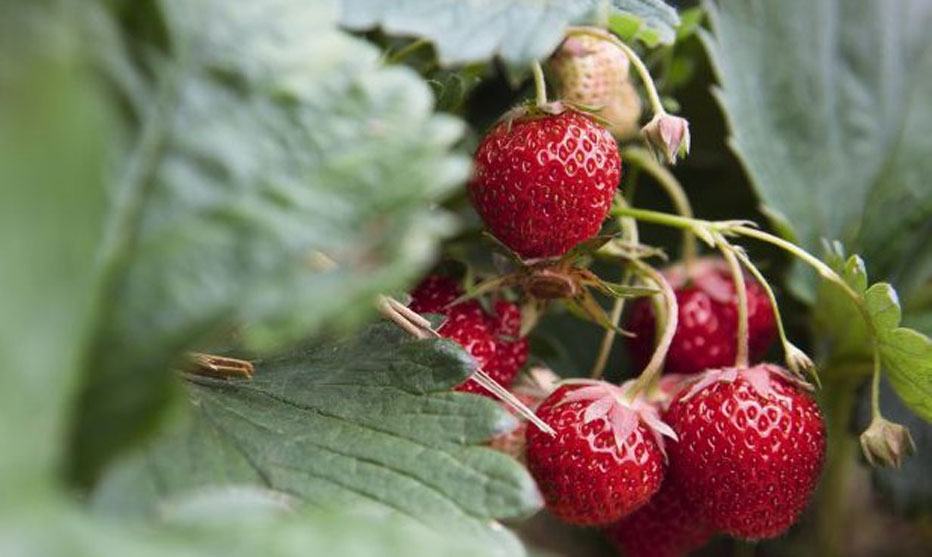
713	446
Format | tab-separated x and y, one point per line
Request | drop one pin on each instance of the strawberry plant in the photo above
349	277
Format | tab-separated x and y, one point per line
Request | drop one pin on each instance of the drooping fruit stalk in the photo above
741	352
707	335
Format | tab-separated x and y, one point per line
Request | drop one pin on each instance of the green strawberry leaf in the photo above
54	145
906	355
518	31
236	526
280	178
368	419
827	103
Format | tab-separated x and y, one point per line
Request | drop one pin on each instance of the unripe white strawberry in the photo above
593	73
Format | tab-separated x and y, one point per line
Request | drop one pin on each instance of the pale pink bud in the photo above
667	137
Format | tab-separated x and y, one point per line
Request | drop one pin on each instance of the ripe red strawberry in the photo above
545	183
511	349
434	294
708	320
606	459
667	526
750	450
491	339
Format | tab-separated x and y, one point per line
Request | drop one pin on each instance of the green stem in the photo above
755	272
655	365
643	159
629	228
540	85
875	387
604	14
741	356
608	339
732	228
406	51
657	217
643	73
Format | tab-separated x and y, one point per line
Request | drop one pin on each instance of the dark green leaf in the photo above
828	108
517	30
274	146
368	419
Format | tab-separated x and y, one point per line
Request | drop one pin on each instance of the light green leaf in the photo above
828	108
906	355
232	532
517	30
55	127
368	419
273	147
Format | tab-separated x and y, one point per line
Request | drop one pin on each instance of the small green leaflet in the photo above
518	31
906	355
369	419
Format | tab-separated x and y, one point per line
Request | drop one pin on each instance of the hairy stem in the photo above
643	159
655	365
608	339
643	73
710	228
741	355
629	228
755	272
540	84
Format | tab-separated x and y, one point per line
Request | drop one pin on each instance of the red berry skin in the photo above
544	184
667	526
511	349
491	339
583	474
707	333
748	461
434	294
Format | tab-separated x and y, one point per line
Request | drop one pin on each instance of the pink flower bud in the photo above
667	137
